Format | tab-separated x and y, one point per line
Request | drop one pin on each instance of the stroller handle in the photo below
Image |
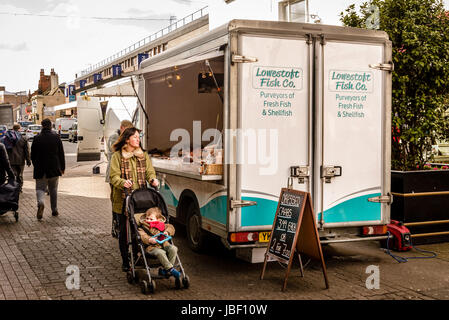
128	191
153	187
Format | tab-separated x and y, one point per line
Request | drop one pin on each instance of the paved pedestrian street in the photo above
36	255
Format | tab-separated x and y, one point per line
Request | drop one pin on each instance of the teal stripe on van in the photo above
215	209
354	210
168	196
261	214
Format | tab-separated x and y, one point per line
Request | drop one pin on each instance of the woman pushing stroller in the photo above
130	169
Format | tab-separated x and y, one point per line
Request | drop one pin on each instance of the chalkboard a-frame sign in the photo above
294	232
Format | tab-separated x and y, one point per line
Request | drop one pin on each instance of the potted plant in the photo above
419	31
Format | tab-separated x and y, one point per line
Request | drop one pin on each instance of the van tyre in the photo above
195	235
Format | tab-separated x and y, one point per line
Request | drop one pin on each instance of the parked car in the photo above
73	132
3	129
33	130
24	126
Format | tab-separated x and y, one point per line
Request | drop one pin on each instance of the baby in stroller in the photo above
154	233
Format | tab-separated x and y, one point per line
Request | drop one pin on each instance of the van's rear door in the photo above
274	123
90	129
352	158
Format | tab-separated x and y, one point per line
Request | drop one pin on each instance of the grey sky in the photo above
29	43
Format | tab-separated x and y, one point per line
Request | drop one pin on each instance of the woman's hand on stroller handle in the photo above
154	183
128	184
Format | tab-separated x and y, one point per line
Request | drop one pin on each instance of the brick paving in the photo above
34	256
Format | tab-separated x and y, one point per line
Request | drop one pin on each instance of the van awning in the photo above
64	106
182	62
184	54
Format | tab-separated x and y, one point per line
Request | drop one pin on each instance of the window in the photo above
294	10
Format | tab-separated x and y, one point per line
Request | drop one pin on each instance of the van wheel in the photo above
195	235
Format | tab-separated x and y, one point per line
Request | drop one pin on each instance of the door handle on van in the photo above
80	138
242	203
328	172
388	199
236	58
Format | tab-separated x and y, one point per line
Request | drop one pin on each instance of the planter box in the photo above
411	205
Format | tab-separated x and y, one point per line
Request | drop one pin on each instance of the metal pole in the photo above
423	223
430	234
420	194
354	239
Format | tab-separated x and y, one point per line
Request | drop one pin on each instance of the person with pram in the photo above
5	167
130	169
9	188
154	233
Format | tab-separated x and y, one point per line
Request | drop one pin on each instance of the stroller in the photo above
9	198
138	202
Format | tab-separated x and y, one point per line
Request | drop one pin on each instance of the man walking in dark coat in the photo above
47	155
5	167
18	154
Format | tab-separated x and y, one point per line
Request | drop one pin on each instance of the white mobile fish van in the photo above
271	105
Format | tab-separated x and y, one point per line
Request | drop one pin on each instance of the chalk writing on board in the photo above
285	212
292	227
289	199
285	225
282	225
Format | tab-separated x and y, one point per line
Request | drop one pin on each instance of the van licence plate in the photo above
264	236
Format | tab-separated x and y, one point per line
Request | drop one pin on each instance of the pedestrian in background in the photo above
5	167
131	169
47	155
18	155
111	140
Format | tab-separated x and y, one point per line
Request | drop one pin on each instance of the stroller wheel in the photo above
16	216
152	286
177	283
146	287
129	277
185	282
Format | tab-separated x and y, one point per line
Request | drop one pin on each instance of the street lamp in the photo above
20	93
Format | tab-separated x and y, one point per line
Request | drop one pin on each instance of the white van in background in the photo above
63	125
90	129
118	109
